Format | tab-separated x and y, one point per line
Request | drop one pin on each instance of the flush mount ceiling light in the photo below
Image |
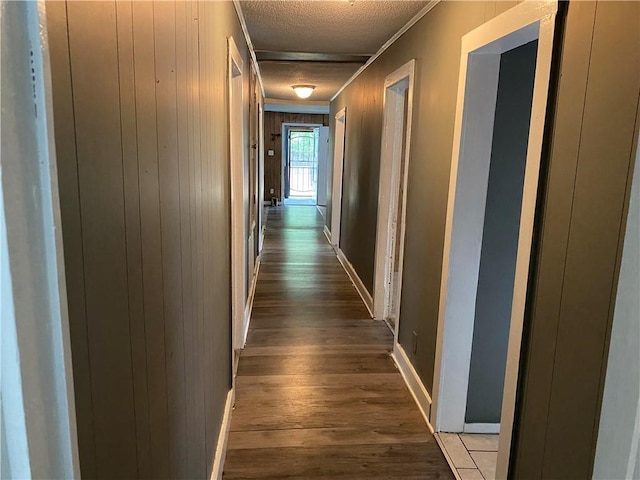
303	91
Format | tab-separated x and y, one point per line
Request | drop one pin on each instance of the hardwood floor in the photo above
317	394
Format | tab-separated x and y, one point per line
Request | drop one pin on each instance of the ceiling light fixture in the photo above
303	91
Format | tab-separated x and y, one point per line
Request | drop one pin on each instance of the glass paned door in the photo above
303	163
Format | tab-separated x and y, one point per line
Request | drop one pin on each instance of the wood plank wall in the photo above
140	111
582	223
273	141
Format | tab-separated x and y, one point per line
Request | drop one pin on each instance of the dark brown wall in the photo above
581	229
140	111
273	141
569	315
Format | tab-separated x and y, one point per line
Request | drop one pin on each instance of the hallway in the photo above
317	394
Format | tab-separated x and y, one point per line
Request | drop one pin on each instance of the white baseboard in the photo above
355	279
411	378
223	437
249	306
327	234
493	428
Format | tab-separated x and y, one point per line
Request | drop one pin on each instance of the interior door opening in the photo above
304	164
336	185
504	81
392	197
239	243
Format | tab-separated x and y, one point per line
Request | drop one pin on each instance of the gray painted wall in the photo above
435	44
141	126
500	234
592	139
586	170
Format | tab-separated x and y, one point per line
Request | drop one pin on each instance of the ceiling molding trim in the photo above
271	56
388	43
291	106
252	52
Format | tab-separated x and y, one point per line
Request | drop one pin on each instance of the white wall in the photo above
38	413
323	158
617	454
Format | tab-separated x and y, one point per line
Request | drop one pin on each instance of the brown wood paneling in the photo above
273	141
69	191
134	239
317	394
164	19
146	124
100	179
594	130
145	212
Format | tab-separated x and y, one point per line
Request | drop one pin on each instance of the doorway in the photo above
502	95
304	164
392	199
336	186
238	224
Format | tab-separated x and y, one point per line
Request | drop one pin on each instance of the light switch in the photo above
271	153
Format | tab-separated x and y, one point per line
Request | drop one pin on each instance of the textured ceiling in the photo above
321	26
326	26
328	78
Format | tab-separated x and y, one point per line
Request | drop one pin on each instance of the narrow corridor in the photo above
317	394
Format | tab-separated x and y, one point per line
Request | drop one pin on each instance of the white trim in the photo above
223	437
339	143
247	38
284	127
412	379
355	279
327	233
249	306
517	26
428	7
289	106
487	428
447	457
259	180
38	409
389	190
235	85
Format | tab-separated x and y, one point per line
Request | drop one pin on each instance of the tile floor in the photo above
473	455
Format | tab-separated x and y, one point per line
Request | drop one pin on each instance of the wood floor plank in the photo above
321	437
317	394
386	461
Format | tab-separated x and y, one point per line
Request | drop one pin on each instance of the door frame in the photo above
391	156
521	24
260	193
339	143
235	85
285	149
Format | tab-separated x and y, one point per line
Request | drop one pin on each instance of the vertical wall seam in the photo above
201	277
182	289
568	238
135	112
126	243
164	319
84	271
